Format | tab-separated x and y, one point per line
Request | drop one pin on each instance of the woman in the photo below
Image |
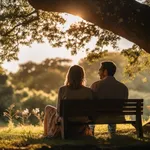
74	88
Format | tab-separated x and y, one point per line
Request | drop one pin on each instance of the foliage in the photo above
138	61
38	100
39	115
21	117
23	25
47	76
10	114
50	74
26	102
31	99
143	95
138	80
6	93
138	83
91	68
135	60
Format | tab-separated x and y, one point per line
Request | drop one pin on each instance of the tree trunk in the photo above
126	18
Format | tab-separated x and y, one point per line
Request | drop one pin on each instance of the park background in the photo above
32	71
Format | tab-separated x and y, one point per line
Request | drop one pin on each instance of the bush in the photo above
6	94
38	99
32	99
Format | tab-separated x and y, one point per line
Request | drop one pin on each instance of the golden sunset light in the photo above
38	52
74	74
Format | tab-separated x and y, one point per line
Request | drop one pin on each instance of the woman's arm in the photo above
58	101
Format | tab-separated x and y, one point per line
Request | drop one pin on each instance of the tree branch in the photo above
10	16
126	18
22	23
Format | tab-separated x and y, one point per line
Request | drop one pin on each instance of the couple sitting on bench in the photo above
106	88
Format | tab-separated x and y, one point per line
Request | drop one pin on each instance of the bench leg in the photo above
139	131
63	129
139	128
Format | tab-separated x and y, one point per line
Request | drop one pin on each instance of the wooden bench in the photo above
101	108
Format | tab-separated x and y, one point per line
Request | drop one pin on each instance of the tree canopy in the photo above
128	19
22	24
6	92
46	76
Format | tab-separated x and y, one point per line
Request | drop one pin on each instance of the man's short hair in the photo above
110	67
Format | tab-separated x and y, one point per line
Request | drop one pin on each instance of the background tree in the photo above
46	76
31	98
6	92
138	83
24	25
26	99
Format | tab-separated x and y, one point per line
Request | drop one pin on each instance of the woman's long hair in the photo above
75	77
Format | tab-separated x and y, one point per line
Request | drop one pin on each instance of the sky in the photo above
39	52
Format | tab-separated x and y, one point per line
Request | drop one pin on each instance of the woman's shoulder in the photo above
88	92
87	88
63	87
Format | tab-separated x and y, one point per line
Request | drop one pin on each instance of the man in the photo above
109	88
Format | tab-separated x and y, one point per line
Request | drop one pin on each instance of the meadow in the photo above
30	137
21	133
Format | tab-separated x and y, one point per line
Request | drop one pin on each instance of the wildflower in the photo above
25	112
36	110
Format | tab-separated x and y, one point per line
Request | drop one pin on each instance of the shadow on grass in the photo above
124	142
118	142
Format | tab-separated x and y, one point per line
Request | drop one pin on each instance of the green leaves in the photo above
138	60
46	76
20	25
13	28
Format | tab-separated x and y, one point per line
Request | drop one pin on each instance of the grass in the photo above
28	137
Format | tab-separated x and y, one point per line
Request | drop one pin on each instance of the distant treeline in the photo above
36	85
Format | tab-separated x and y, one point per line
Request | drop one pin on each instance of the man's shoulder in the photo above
95	83
122	85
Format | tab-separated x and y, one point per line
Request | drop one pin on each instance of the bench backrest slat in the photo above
103	106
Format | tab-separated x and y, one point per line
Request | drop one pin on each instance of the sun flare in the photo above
70	19
35	54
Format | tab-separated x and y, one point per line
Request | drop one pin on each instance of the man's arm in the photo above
127	93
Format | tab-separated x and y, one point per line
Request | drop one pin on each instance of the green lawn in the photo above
28	137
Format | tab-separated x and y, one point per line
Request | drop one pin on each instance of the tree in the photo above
21	24
47	75
128	19
135	77
6	92
24	25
